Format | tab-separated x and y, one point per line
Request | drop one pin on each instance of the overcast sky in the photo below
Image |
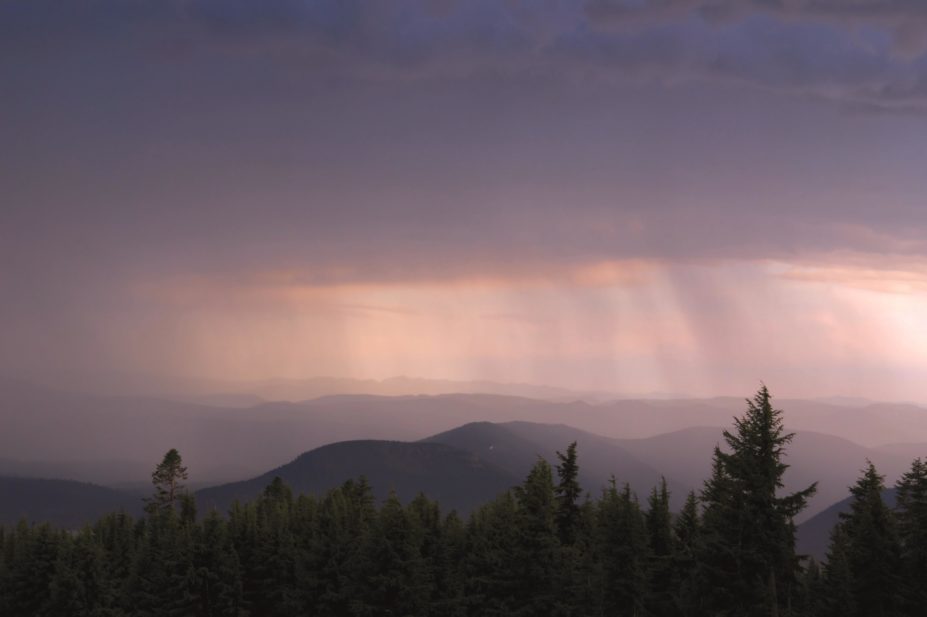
633	195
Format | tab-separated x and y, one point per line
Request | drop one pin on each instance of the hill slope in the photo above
516	446
63	503
221	444
459	480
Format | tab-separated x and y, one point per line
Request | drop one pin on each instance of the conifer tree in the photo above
537	547
624	552
218	572
397	580
568	492
167	479
686	538
492	568
871	547
749	550
911	514
660	538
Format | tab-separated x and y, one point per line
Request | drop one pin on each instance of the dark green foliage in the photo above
864	578
568	494
623	552
911	514
663	574
536	546
539	549
686	543
839	593
167	478
747	561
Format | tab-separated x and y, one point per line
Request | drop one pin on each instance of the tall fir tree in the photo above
911	514
624	552
568	492
748	555
686	539
661	573
167	478
537	547
870	539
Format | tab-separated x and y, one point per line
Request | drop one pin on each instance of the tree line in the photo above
544	548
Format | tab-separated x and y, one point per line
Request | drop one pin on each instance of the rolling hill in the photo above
224	444
515	447
63	503
459	480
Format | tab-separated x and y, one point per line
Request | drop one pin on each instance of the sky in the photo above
683	196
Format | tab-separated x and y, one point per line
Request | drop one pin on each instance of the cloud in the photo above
867	53
181	173
904	20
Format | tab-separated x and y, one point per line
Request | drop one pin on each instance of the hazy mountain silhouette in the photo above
105	471
459	480
237	393
222	444
64	503
516	446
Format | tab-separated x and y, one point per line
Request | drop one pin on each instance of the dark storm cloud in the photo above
201	124
869	52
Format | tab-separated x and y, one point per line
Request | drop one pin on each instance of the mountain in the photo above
63	503
103	471
235	393
908	451
459	480
813	536
516	446
222	444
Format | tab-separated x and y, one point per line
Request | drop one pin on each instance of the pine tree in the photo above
661	573
33	567
218	571
810	598
167	479
492	569
749	562
686	536
81	585
624	552
911	514
397	578
568	492
163	574
537	547
871	547
346	518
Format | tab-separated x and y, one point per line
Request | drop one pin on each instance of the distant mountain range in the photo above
461	468
228	393
460	448
228	443
516	446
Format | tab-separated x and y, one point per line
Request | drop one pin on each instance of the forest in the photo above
546	547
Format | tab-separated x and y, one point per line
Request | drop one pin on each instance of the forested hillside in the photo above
458	479
545	547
